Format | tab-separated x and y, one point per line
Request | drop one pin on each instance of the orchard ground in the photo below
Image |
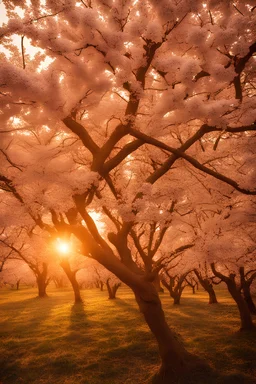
51	341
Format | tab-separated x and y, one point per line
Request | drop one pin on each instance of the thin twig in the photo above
23	52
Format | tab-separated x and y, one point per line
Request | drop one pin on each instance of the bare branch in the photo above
23	52
178	153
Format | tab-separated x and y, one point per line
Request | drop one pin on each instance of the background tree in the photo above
206	280
4	255
174	275
231	234
17	273
246	280
192	282
33	251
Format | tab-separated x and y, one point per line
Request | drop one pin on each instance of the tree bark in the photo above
18	285
248	299
101	286
41	279
176	298
175	287
193	284
41	284
235	292
176	360
245	315
59	283
112	289
157	284
72	278
212	295
245	287
207	285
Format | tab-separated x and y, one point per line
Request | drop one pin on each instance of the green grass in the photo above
51	341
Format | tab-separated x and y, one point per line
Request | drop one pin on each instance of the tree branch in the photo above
81	132
191	160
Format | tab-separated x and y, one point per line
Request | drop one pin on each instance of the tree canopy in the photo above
142	112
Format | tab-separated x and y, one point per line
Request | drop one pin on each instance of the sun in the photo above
62	246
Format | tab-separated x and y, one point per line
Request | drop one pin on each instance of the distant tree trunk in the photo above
176	295
250	303
235	292
72	278
212	295
248	299
193	284
101	285
207	285
59	283
41	284
175	286
112	289
42	281
246	289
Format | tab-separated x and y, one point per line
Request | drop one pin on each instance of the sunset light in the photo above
62	246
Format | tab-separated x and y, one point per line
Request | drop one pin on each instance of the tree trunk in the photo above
41	284
212	295
176	360
178	292
235	292
101	285
18	285
248	299
245	315
176	298
112	290
59	283
76	290
207	285
245	287
193	284
157	284
72	278
41	279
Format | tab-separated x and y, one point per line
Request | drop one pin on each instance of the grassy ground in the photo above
50	341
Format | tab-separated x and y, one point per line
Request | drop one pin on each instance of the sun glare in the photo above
63	246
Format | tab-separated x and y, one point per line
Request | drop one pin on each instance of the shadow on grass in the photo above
78	314
126	305
21	332
203	376
81	330
22	316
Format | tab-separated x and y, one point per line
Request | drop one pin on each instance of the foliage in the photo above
141	112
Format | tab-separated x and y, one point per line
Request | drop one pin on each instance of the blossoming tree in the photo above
106	102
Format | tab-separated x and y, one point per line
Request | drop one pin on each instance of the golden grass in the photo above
51	341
